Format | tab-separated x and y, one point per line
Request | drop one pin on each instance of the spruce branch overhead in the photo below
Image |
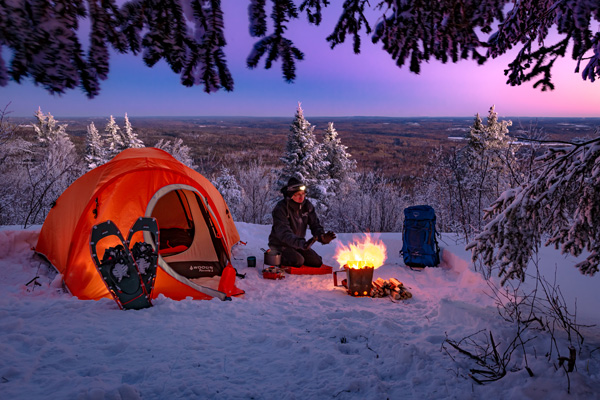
560	207
44	41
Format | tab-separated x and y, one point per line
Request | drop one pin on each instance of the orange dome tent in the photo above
197	231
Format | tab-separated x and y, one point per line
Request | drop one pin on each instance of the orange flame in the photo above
359	254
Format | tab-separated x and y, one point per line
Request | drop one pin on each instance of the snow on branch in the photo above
561	207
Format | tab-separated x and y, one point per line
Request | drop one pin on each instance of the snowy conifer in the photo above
476	134
231	191
130	138
492	136
304	158
180	151
490	153
95	152
341	167
114	138
48	129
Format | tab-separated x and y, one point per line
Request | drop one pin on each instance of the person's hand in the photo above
326	238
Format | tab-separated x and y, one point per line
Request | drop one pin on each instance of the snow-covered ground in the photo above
298	338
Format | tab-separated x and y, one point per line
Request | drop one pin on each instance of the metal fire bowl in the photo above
360	281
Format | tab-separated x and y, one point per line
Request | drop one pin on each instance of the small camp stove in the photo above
272	265
358	280
273	273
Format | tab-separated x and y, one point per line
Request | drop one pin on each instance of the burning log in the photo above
359	259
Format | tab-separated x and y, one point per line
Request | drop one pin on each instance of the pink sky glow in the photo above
330	83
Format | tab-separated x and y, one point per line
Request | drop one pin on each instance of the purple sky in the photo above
329	83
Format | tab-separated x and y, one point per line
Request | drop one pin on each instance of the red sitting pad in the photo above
304	270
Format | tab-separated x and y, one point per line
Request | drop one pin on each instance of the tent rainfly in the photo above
197	231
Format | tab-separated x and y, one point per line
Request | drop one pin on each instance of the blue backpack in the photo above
419	243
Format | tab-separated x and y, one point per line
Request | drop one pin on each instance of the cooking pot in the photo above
273	258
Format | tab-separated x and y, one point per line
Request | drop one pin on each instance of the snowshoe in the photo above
145	254
118	269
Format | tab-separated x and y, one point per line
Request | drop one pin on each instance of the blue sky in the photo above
330	83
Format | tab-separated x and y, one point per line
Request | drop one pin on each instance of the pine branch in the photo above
258	18
314	10
350	22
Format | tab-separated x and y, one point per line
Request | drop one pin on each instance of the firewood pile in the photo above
392	288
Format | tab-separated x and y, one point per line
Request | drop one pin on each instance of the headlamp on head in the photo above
296	188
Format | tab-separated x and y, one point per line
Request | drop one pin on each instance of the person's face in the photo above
298	197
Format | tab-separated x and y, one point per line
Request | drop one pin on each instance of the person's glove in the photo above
327	237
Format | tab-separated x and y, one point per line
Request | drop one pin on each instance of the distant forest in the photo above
361	171
396	147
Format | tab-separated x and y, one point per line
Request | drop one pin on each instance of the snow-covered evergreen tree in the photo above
118	139
231	191
114	138
490	143
177	149
341	168
304	158
130	138
339	173
48	129
95	152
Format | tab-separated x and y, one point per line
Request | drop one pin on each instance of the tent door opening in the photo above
189	241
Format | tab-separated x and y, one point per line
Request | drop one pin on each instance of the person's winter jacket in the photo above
290	221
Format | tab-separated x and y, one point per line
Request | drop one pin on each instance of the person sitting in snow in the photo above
291	217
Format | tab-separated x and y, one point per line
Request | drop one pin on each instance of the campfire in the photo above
359	260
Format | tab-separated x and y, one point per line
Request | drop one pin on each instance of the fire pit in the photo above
358	280
358	261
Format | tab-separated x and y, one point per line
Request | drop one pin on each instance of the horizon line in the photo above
307	117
